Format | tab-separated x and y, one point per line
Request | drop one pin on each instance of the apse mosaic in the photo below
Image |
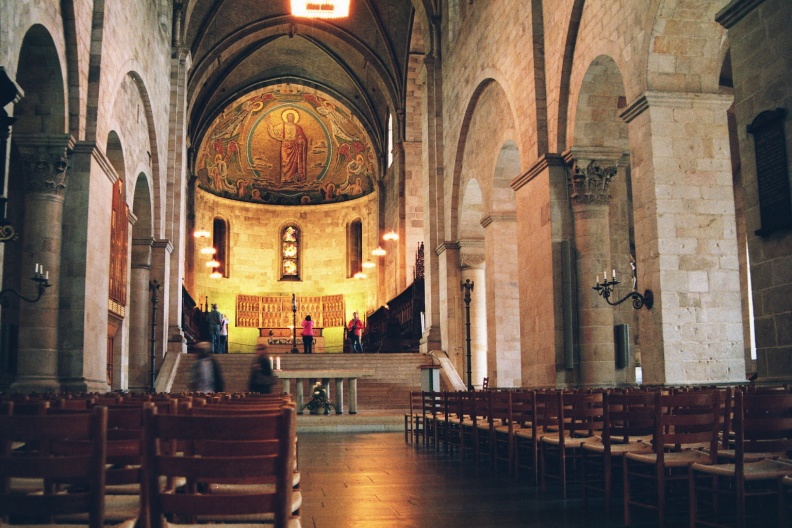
286	145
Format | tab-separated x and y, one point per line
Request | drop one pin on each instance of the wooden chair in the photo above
580	419
628	425
683	423
413	419
429	415
784	501
123	471
67	449
238	468
529	412
501	432
473	423
763	434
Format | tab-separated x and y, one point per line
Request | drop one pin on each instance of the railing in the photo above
396	327
192	319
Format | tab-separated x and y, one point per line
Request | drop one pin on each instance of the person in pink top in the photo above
307	335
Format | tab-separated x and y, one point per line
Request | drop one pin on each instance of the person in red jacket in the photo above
355	328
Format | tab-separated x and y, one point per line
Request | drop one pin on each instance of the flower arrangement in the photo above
318	400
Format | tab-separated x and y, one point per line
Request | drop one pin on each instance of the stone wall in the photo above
253	265
760	62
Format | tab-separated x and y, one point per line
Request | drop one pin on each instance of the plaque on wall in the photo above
772	171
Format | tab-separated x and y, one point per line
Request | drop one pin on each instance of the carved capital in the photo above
589	183
46	169
46	162
471	253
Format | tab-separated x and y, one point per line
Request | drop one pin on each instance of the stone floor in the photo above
376	480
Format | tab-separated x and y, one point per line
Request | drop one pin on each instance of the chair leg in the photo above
691	498
626	488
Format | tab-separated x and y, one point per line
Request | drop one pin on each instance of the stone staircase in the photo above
387	391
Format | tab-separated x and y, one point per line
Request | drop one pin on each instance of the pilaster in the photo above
685	236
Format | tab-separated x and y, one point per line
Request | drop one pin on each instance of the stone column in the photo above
685	235
139	314
46	161
161	254
589	182
472	267
449	302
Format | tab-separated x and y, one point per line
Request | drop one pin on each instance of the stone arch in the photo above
600	101
603	221
472	267
150	158
140	274
684	53
567	62
117	349
43	109
487	152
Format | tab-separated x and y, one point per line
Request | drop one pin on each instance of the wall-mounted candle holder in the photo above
605	289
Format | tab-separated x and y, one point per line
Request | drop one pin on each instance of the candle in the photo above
277	363
605	276
614	274
272	363
46	275
597	280
36	268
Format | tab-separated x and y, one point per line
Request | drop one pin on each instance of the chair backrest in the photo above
524	408
581	414
278	430
547	411
500	409
628	415
66	448
762	424
687	419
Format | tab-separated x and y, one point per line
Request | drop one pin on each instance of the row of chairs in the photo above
707	450
185	461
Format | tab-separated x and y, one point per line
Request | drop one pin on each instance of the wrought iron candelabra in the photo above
605	289
40	277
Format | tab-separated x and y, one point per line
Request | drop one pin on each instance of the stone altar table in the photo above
325	375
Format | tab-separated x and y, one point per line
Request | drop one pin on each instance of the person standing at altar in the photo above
355	330
307	334
215	321
223	348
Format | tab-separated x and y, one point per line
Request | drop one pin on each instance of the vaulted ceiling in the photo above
238	45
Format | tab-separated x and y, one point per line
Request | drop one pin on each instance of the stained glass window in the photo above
290	253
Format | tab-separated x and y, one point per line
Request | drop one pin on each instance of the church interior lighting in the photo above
200	233
320	8
378	251
390	235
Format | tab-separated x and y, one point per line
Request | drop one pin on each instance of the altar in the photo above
338	377
278	341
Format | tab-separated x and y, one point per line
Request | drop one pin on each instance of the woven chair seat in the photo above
674	459
639	445
762	470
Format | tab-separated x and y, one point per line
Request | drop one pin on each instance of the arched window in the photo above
219	242
290	253
354	248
